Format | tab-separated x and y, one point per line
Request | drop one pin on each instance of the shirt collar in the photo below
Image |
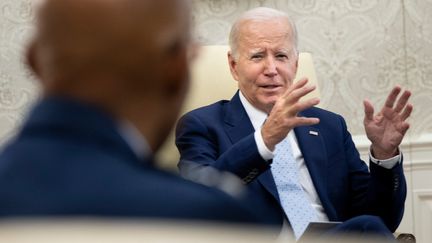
137	142
257	117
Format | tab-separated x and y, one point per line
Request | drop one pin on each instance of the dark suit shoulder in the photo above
316	111
212	109
34	182
205	118
328	119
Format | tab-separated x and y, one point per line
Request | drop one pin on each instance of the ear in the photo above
178	74
32	60
233	65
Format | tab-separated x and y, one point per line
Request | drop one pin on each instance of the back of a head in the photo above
126	38
117	54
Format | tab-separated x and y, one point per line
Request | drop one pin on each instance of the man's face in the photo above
266	61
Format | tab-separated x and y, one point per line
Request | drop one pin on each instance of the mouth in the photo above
271	87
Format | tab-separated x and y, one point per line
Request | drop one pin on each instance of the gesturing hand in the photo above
387	128
283	116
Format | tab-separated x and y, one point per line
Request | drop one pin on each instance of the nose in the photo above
270	67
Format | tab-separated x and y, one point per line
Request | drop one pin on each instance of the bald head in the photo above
82	37
128	57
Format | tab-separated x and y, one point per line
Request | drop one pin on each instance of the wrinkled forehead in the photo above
277	31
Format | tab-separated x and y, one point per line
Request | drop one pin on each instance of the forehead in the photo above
274	32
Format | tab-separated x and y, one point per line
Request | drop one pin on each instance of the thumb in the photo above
368	110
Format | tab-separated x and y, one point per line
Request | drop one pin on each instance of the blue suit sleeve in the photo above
379	192
202	143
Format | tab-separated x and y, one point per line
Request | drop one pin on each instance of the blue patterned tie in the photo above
293	198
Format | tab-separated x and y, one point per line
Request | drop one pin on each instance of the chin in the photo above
267	105
270	100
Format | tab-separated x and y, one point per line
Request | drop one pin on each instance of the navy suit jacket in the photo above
69	159
221	135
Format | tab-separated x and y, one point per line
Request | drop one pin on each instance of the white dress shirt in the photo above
258	117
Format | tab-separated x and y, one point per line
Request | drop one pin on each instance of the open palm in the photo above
387	128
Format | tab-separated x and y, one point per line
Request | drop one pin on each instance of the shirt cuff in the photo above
265	153
386	163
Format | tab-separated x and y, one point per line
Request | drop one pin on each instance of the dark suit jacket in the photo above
68	159
221	135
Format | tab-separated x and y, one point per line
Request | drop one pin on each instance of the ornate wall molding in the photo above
423	214
418	169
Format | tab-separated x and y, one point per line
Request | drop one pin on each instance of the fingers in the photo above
392	97
306	121
297	90
300	106
404	128
401	104
407	112
298	84
299	93
292	98
403	100
368	109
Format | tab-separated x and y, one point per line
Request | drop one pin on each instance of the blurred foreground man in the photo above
114	75
300	161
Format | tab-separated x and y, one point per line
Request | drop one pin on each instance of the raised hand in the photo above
283	116
387	128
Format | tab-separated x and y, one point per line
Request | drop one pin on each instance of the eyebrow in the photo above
256	51
261	50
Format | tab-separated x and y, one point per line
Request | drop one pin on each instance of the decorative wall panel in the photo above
361	48
17	88
418	16
417	169
423	213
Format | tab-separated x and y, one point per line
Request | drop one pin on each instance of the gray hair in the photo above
259	14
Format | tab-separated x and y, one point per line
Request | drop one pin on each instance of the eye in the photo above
256	57
282	56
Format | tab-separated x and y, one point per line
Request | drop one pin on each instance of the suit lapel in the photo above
311	145
238	126
237	122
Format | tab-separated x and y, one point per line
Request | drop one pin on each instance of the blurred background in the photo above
361	49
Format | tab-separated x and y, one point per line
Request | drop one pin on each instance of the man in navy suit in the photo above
114	76
241	135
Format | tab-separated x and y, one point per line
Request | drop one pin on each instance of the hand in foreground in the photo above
387	128
283	116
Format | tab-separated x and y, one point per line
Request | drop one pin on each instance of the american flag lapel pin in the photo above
315	133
